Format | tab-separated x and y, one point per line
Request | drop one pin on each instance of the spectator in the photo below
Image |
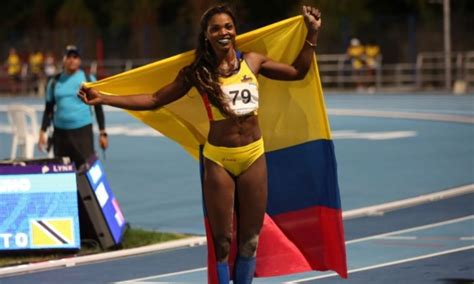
356	54
372	59
36	69
14	69
372	53
49	65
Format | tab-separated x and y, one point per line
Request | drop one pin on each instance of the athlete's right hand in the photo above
90	96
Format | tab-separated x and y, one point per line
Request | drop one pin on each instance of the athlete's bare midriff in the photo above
234	133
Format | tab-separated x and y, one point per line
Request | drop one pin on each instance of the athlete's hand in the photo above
312	18
90	96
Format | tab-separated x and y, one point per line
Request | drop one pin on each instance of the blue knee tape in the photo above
223	272
244	269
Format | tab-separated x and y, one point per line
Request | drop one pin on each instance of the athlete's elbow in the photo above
156	107
299	72
150	106
155	102
300	75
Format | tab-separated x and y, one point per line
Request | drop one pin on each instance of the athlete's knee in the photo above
248	246
222	247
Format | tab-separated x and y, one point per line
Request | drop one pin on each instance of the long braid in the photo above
203	72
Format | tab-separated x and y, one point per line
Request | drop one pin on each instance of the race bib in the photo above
242	97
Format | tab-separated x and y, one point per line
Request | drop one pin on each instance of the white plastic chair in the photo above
24	124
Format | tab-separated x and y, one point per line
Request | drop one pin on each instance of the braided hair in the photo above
203	72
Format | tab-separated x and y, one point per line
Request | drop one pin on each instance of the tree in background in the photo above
145	34
160	28
75	24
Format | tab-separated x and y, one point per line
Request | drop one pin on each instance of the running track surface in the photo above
380	159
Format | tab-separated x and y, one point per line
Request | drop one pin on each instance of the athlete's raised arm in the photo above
260	64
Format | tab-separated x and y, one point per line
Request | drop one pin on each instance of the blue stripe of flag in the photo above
302	176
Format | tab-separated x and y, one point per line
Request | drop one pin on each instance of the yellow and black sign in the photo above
52	232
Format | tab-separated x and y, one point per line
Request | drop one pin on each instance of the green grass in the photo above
138	237
132	238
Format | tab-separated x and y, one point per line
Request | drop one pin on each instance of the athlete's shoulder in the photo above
253	57
254	60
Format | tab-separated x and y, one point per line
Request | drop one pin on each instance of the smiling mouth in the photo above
224	41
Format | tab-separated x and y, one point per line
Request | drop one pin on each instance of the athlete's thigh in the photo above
219	191
252	187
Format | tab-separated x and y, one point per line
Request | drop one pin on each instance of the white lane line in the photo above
135	130
40	107
452	221
107	256
398	238
380	209
387	263
467	238
373	135
341	112
163	275
407	115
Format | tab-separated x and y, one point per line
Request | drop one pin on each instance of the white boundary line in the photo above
413	229
409	202
162	275
40	107
345	112
405	115
72	261
388	263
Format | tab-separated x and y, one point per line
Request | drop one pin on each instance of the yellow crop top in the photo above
240	91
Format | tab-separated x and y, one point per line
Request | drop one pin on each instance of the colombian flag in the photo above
303	227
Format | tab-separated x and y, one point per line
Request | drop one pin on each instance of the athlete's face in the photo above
221	32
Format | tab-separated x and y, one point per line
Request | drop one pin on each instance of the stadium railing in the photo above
427	73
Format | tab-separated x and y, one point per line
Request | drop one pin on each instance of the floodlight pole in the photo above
447	44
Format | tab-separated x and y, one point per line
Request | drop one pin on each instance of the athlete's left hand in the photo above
312	18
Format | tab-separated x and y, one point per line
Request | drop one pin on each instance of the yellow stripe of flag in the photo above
290	113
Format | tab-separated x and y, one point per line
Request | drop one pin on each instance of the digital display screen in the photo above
106	199
38	207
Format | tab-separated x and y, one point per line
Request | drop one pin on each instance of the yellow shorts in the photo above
234	159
